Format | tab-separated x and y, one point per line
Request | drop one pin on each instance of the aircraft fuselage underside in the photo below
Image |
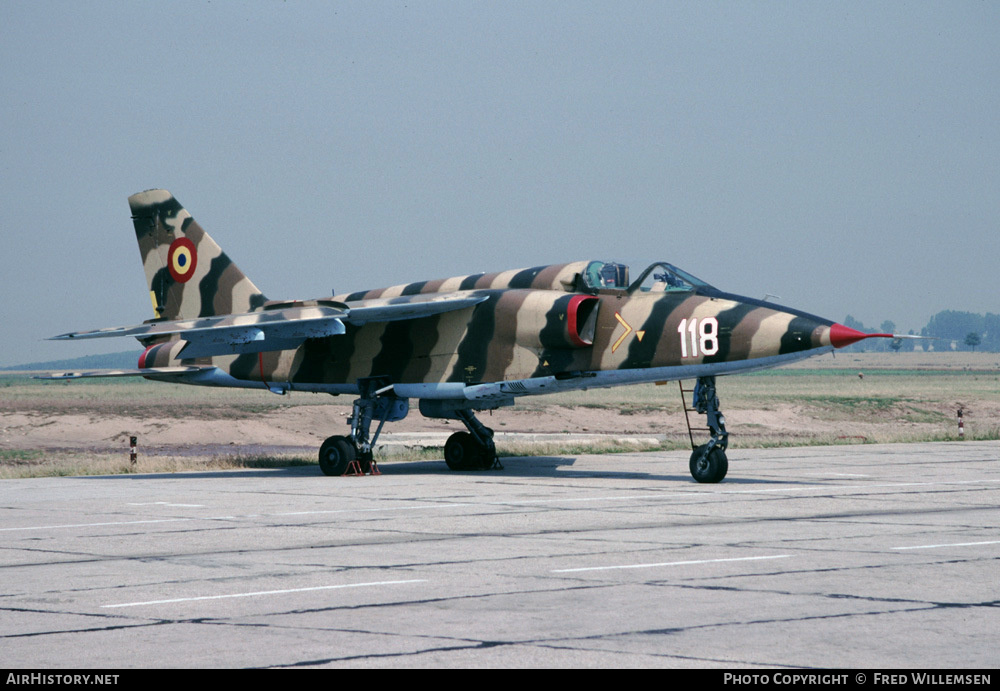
505	390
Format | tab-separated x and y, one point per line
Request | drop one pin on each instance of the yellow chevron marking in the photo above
628	330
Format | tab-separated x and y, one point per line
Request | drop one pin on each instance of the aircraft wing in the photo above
283	328
409	307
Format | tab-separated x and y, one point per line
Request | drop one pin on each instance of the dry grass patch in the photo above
65	464
905	397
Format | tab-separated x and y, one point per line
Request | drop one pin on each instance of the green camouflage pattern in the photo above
521	330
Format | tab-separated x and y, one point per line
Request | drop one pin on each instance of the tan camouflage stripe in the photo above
770	331
452	327
741	337
821	337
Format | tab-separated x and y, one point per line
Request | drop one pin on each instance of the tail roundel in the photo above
187	273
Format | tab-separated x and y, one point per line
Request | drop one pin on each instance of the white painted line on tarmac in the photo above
376	509
165	503
669	563
262	593
231	518
95	525
952	544
859	487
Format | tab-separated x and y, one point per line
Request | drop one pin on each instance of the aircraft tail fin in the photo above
188	274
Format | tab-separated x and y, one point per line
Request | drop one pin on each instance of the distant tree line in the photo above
955	330
121	360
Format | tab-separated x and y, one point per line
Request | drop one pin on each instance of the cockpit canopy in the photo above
659	277
599	275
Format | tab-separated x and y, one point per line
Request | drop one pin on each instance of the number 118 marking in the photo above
702	334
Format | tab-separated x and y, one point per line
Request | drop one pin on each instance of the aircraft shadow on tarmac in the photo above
523	466
561	467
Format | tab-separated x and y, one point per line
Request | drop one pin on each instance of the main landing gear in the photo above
708	461
472	450
377	402
339	455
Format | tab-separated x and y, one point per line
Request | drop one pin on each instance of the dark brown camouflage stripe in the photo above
668	340
654	347
798	336
473	350
501	349
729	320
394	352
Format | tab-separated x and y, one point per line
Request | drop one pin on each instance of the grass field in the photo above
855	398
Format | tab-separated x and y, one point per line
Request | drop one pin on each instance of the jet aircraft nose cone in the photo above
842	336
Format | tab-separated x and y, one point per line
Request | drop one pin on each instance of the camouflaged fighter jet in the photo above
457	345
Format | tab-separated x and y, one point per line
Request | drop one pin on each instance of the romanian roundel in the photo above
182	259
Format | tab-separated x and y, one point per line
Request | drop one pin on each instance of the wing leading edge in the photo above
282	328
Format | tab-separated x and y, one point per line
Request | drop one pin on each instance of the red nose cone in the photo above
842	336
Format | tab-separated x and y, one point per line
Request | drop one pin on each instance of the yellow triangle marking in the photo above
639	335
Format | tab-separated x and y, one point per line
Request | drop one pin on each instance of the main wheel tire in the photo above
335	455
485	461
710	469
461	452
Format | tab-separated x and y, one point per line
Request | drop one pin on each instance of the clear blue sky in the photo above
844	156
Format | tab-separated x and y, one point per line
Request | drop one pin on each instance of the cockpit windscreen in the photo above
660	277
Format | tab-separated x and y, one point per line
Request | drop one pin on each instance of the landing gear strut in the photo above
472	450
708	461
377	401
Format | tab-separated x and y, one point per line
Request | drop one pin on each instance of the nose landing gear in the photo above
708	461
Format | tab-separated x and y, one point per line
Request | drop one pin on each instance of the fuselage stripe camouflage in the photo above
728	321
472	351
527	327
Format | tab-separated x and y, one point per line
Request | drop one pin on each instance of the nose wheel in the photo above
708	461
708	465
